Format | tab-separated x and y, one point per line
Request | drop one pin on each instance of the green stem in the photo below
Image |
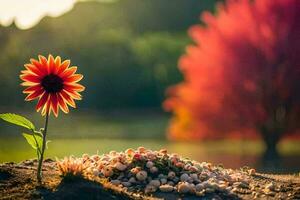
40	164
37	145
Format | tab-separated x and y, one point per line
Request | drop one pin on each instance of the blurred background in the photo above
128	52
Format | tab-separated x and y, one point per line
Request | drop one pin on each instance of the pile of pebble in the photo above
150	171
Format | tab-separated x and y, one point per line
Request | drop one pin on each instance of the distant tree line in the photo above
127	50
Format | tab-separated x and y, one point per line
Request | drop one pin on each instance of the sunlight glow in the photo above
28	13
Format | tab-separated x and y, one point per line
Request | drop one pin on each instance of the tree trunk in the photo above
271	152
271	159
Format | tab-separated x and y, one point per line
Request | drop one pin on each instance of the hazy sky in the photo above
28	13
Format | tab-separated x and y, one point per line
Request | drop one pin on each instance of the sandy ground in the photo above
17	181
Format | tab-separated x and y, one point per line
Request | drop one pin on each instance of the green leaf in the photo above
38	133
17	120
33	142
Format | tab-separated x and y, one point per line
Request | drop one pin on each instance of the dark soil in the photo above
17	181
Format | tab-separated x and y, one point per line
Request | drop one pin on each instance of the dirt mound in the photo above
17	181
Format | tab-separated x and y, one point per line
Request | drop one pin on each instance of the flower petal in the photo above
51	64
46	108
67	98
74	78
64	66
28	84
57	63
34	69
62	103
74	95
54	103
42	101
31	89
74	87
34	95
39	65
68	72
44	63
30	78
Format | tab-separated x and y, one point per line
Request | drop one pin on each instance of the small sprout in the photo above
71	166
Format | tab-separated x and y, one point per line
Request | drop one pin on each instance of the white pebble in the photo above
190	180
149	164
150	189
96	172
187	167
251	171
95	157
192	187
166	188
119	166
153	170
161	176
270	186
223	186
155	183
141	175
170	183
107	171
194	177
132	180
126	184
184	177
171	175
163	181
85	156
115	182
184	187
199	187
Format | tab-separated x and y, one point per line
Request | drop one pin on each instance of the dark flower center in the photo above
52	83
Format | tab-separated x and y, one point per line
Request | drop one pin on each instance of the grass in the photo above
145	125
86	132
231	153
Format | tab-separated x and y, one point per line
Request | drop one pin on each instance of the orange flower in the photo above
53	82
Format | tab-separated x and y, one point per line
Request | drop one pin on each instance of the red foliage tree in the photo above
241	75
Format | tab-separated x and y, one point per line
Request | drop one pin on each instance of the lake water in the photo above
232	154
90	132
